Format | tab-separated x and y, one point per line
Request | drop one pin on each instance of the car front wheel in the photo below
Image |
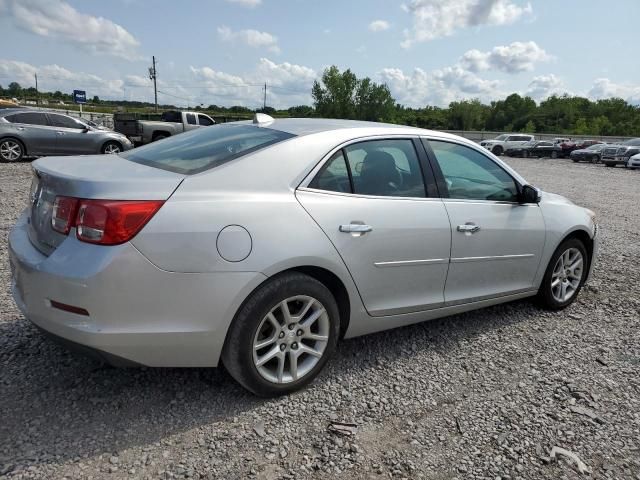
564	276
111	147
283	335
498	150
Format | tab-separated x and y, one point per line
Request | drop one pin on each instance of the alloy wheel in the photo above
291	339
567	275
10	150
111	148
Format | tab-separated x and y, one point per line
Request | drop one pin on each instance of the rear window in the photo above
206	148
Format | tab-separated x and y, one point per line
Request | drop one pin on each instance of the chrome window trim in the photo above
372	197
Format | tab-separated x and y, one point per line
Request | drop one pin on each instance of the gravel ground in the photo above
486	394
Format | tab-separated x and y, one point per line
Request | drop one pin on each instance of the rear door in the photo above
496	242
190	121
392	232
73	138
34	130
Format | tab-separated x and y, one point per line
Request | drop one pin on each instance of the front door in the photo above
370	200
73	136
496	242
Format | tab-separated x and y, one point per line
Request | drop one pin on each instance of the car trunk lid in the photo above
107	177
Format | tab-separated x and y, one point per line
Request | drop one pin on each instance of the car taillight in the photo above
64	214
105	222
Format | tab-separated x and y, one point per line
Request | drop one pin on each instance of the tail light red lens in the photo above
108	222
64	214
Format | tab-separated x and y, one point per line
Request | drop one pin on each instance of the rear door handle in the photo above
60	133
469	228
20	128
355	228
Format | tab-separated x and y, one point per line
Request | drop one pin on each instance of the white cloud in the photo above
379	26
605	88
440	18
56	19
543	86
514	58
54	77
287	84
246	3
252	38
439	87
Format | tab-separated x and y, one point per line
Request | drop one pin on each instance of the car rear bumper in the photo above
137	313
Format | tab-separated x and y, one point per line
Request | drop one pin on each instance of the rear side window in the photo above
191	119
205	148
385	168
28	118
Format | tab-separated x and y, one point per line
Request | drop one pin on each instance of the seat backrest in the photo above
379	175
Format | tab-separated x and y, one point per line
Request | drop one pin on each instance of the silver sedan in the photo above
34	133
261	244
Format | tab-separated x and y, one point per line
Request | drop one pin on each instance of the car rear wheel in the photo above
11	150
111	147
595	159
609	164
525	154
564	276
283	335
497	150
159	136
554	155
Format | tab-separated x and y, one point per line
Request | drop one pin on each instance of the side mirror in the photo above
86	129
529	194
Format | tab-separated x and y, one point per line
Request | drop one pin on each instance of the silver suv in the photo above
33	133
506	141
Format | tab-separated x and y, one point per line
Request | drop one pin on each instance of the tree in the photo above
96	99
301	111
343	95
14	89
530	127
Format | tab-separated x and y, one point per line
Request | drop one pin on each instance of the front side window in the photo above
191	119
28	118
204	148
62	121
471	175
204	121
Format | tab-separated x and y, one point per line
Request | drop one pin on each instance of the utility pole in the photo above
264	104
152	76
37	94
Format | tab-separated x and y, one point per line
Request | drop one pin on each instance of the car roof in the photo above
309	126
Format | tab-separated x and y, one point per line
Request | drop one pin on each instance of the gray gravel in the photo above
486	394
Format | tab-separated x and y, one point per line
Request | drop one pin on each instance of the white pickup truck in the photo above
170	123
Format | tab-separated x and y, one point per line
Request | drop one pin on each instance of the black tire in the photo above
545	297
111	147
554	155
8	150
609	164
525	154
237	354
159	136
575	160
595	159
497	150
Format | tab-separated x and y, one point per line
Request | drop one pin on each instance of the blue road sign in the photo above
79	96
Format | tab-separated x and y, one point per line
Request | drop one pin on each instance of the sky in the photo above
429	52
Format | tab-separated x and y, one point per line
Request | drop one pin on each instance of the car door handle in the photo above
60	133
355	228
468	228
20	128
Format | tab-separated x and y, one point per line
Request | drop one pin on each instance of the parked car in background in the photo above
634	161
541	148
30	133
504	142
570	146
619	154
591	154
228	245
560	140
171	123
8	104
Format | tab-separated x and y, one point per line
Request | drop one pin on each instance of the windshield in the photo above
597	146
206	148
530	143
634	142
501	137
